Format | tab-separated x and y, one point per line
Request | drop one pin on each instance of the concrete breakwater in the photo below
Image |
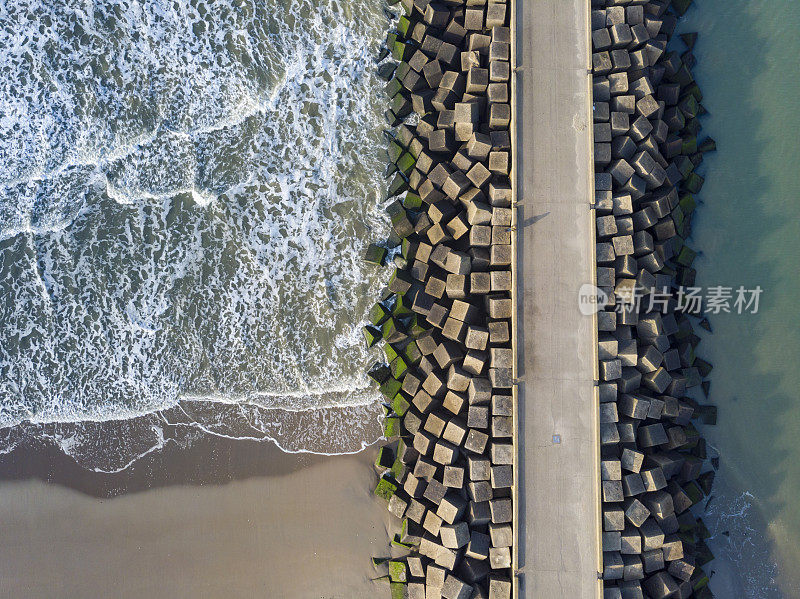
445	318
654	467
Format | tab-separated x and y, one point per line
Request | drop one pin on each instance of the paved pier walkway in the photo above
558	496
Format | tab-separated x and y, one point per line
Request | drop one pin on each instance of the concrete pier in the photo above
558	549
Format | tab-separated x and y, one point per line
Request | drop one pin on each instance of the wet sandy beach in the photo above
223	519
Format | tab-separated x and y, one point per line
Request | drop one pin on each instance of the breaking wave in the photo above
185	189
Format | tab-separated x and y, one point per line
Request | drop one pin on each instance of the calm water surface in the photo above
749	230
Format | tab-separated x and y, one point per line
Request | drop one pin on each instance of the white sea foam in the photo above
185	191
742	551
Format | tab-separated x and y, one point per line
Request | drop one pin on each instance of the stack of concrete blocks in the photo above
446	317
646	109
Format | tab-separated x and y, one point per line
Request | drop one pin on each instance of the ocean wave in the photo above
184	196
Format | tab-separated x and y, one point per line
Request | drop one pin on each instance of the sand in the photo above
222	519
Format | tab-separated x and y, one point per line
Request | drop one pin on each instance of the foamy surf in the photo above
184	195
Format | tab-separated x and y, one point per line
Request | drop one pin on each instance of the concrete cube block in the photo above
478	546
478	416
454	536
477	81
501	535
451	507
612	491
480	491
502	453
652	535
432	523
613	518
610	469
480	282
454	402
499	587
653	560
630	541
611	541
499	331
478	468
495	14
613	566
478	514
455	431
502	477
635	511
499	557
661	585
445	452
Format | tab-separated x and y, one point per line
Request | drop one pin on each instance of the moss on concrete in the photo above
372	335
398	571
400	404
375	254
391	427
399	590
385	488
405	163
378	314
390	387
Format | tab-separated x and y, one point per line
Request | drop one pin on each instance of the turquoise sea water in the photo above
749	231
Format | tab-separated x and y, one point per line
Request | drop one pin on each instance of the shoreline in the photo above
444	322
116	445
225	517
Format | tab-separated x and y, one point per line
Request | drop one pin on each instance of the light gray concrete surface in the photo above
558	511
